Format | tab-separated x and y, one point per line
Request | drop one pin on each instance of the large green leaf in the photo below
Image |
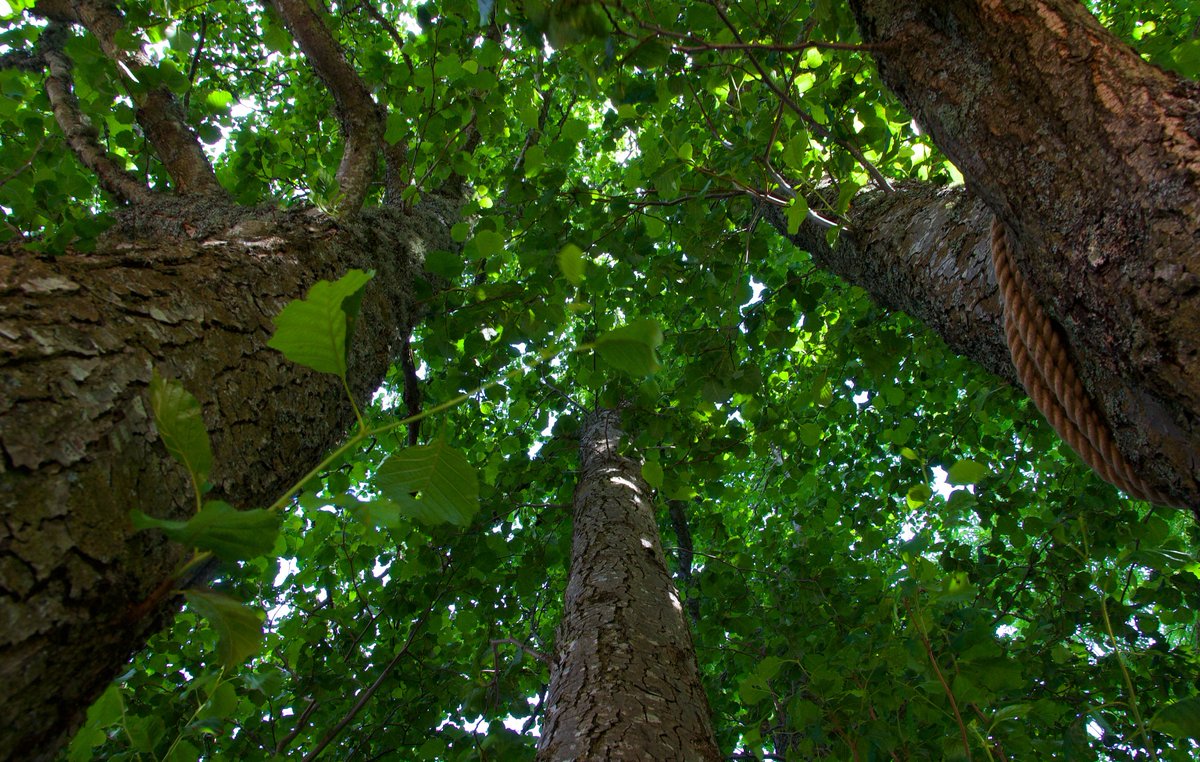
238	627
220	528
313	331
177	417
1180	719
433	483
631	347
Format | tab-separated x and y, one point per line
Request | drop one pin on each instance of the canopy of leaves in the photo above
885	553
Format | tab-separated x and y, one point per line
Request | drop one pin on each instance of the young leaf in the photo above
652	472
796	211
219	527
238	627
631	347
571	262
313	331
965	472
433	483
179	422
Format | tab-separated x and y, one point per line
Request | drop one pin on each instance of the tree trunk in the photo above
624	684
1091	157
190	292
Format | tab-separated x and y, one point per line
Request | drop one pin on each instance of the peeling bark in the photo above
1091	156
624	684
192	296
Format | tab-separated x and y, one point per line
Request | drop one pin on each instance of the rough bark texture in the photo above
191	293
1091	157
624	684
922	250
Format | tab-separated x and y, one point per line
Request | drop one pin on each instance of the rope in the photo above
1039	353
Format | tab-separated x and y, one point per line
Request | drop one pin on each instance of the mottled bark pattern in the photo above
624	684
1091	157
191	293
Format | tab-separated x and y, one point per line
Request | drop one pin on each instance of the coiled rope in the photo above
1046	371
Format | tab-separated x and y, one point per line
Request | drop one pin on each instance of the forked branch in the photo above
359	116
158	112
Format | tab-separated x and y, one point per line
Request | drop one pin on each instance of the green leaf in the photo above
375	513
445	264
631	347
1181	719
489	243
220	528
108	709
433	483
572	263
796	211
752	690
654	226
219	99
918	495
178	419
652	472
238	627
313	331
965	472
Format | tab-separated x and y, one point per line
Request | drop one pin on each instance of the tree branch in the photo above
158	112
359	116
366	695
79	133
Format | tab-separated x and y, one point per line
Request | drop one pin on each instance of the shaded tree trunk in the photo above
1091	157
190	292
624	684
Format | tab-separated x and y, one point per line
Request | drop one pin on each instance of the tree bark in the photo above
624	684
1091	157
190	291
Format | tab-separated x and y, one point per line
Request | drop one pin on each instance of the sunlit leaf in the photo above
314	331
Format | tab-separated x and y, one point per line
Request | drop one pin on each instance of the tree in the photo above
624	682
706	135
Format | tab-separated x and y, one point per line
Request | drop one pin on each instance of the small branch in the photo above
412	390
22	60
367	694
301	721
359	116
543	658
578	408
81	136
958	718
25	165
158	112
807	118
195	65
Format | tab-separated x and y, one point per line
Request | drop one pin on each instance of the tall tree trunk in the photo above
191	292
1091	158
624	684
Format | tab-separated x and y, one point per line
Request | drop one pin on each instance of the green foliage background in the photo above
846	604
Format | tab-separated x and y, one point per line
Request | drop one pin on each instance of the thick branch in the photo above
360	118
922	250
1097	178
158	112
80	135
